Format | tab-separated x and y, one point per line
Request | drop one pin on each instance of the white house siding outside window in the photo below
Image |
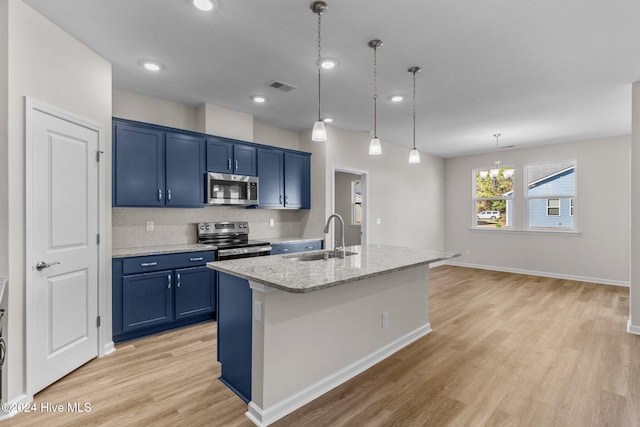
551	196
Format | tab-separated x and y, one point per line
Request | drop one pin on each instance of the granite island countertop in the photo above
284	273
158	250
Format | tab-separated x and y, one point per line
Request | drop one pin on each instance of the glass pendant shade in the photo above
484	174
375	148
493	173
508	173
319	132
414	156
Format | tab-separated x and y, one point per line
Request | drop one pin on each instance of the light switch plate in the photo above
149	225
272	222
379	221
257	310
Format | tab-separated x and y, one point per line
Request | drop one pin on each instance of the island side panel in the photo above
313	340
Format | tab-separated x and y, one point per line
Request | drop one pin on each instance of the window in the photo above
553	207
356	202
493	198
550	196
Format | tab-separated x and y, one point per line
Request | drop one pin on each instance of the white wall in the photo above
134	106
274	136
408	199
4	139
47	64
343	208
634	300
600	253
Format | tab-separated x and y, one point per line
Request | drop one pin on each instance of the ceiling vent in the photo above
281	86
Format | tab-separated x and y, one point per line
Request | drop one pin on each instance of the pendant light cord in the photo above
319	59
414	109
375	91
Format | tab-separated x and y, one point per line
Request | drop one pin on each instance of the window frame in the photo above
553	207
354	203
475	172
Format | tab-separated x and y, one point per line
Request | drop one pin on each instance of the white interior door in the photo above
62	250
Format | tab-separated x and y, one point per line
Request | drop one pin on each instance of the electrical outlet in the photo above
272	222
257	310
385	319
149	225
379	221
467	251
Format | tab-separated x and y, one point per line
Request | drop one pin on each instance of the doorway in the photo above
350	202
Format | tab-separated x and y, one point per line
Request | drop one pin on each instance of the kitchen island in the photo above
303	327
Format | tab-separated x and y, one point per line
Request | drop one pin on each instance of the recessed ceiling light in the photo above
396	98
260	99
151	65
329	63
328	119
205	5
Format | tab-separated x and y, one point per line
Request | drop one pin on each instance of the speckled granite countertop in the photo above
282	272
275	240
157	250
2	286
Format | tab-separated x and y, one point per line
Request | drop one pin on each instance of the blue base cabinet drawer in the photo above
154	293
289	248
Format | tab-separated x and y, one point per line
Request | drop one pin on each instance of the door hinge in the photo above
98	321
99	154
98	238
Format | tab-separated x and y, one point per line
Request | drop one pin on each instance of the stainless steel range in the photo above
231	239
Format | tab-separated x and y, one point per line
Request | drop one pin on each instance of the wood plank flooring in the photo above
506	350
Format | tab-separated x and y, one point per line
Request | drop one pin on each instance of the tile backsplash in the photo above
174	226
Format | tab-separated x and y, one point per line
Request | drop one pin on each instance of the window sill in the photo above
536	232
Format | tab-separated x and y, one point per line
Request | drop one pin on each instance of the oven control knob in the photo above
208	227
202	227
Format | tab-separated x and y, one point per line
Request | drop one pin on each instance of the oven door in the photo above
226	189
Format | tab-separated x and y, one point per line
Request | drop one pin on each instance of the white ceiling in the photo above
539	72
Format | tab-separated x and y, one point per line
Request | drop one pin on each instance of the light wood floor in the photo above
506	350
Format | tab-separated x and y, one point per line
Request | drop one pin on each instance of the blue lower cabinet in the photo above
290	248
155	293
194	291
234	333
147	300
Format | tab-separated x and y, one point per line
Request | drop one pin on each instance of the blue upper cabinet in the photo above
138	166
153	168
184	166
224	156
284	179
271	178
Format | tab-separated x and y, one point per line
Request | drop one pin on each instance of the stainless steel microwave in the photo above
227	189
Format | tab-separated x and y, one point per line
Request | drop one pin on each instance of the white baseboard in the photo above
436	264
263	417
108	349
13	406
632	329
599	281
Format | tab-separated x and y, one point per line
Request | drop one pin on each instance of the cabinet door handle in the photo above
168	194
229	164
148	264
159	194
285	250
286	200
178	283
308	247
196	259
169	277
280	199
236	165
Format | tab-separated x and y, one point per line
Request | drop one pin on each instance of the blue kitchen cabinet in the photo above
185	157
147	300
290	248
154	293
225	156
138	159
285	179
234	333
153	168
194	293
271	178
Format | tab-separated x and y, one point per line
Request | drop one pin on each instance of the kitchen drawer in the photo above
149	263
287	248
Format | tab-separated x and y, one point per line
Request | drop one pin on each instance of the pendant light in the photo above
319	132
375	148
414	155
493	173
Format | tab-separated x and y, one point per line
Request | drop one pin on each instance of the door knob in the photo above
42	265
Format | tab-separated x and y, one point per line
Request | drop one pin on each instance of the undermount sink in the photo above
317	256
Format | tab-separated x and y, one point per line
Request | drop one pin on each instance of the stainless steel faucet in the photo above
338	251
